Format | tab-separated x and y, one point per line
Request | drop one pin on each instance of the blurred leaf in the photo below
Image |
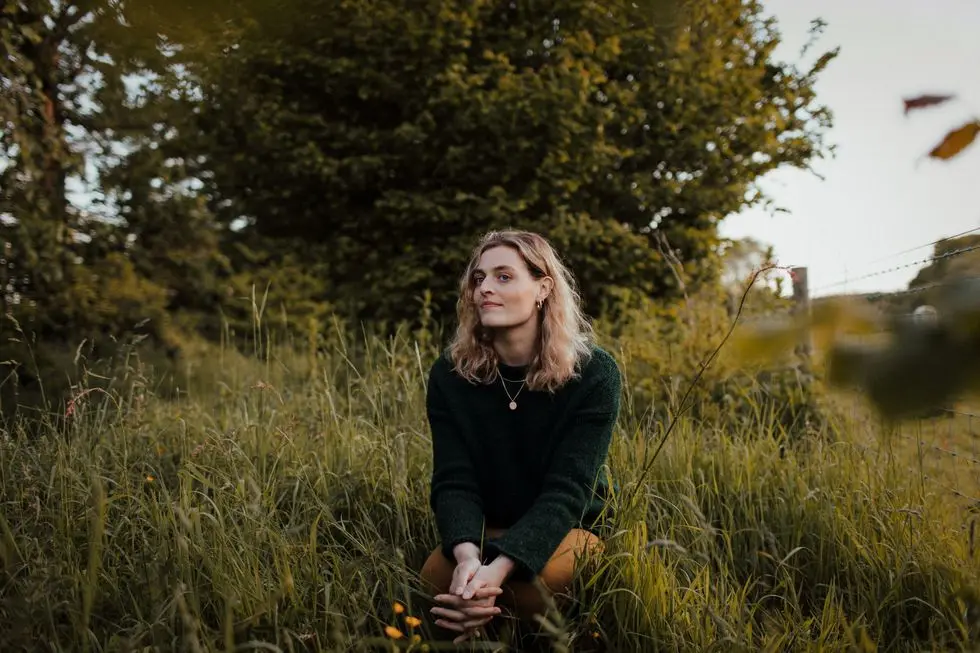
959	302
955	141
847	362
921	364
922	101
832	317
924	367
770	340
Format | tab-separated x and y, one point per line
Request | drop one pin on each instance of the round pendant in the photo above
513	405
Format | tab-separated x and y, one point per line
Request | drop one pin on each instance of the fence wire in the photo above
929	244
945	449
931	259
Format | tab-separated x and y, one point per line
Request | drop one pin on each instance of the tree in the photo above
748	261
743	257
128	247
44	48
69	117
951	258
402	132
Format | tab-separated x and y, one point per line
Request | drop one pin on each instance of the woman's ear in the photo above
547	285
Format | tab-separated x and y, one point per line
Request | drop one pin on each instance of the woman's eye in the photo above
504	277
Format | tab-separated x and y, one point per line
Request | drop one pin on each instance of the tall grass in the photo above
279	502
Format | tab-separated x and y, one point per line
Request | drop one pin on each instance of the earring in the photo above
540	304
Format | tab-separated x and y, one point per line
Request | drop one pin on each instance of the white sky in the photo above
879	196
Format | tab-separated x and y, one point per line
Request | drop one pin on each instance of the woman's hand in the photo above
468	563
492	575
466	616
471	607
463	574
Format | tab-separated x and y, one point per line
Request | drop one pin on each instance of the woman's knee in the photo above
530	598
560	569
437	572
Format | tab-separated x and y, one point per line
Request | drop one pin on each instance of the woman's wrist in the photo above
504	565
466	551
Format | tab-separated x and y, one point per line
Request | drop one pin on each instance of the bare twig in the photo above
697	378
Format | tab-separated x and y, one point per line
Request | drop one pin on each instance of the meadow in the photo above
274	498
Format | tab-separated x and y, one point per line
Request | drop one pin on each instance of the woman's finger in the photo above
462	574
467	612
469	591
450	600
464	627
450	625
479	603
483	593
463	612
486	592
457	580
446	613
481	611
473	632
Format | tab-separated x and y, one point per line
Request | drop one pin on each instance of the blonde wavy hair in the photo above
565	336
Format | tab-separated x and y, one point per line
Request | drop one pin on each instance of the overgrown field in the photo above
279	503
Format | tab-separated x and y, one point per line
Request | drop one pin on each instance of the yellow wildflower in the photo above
413	622
399	608
393	632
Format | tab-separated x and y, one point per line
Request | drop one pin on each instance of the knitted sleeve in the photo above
571	476
454	494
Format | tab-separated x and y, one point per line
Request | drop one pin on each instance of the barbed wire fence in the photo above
946	440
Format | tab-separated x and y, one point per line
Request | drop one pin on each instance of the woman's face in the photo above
504	291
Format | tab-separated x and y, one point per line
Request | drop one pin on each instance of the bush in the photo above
663	348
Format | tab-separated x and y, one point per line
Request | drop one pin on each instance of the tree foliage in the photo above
952	259
66	125
96	242
405	130
163	164
42	55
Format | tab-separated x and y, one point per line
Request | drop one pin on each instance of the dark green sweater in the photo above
535	471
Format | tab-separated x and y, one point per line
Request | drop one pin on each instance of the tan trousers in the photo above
523	598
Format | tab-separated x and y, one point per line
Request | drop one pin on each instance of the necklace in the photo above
513	400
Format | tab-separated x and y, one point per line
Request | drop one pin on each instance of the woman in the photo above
521	407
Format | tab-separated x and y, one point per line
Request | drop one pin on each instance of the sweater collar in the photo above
513	372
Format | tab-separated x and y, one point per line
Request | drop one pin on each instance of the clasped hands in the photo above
469	605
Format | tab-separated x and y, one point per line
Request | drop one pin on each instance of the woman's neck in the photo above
515	347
